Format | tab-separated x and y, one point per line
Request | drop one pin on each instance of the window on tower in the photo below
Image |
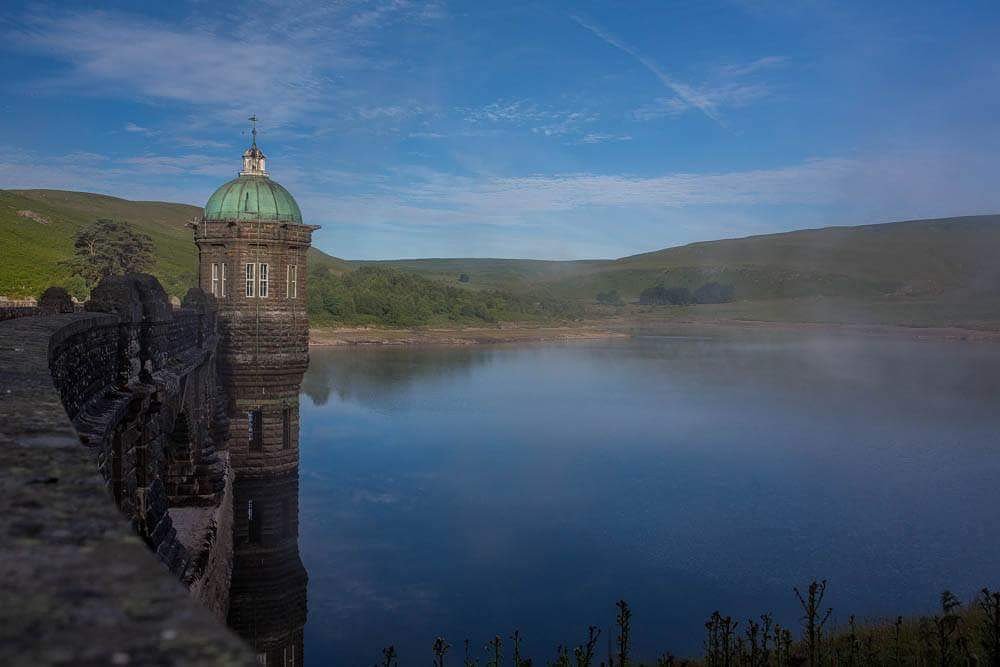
251	278
222	274
255	430
292	282
286	428
215	279
263	281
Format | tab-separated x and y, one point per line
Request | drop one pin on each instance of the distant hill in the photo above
917	257
37	229
912	258
934	262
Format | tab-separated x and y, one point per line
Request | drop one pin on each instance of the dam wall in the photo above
116	502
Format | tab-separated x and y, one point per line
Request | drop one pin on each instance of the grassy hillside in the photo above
37	229
34	242
913	258
933	271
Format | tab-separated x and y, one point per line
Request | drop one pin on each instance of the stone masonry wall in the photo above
14	312
258	333
264	339
115	406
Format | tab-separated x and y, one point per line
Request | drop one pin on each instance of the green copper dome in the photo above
252	197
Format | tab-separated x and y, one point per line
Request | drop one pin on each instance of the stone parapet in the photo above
90	408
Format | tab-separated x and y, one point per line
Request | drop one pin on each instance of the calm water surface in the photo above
467	492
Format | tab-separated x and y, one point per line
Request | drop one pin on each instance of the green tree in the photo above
610	298
109	248
661	295
714	293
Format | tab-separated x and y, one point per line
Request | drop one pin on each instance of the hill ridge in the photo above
913	257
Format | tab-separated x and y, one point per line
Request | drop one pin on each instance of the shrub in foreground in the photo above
957	636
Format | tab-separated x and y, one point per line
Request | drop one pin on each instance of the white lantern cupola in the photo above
253	158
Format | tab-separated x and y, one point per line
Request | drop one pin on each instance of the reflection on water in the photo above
468	492
358	375
267	599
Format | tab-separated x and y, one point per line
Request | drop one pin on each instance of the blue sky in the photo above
517	129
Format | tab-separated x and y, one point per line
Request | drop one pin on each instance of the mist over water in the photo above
466	492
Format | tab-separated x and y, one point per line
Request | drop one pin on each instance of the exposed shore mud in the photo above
625	328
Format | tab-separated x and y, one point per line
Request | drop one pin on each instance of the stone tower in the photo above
252	247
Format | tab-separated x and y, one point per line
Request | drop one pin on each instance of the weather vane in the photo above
253	127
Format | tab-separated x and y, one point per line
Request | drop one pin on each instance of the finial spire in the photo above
253	159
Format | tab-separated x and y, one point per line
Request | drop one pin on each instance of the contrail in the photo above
682	90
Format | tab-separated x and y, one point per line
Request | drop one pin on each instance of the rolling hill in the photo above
37	229
915	258
919	263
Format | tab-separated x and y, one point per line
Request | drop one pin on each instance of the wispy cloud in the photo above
537	119
109	51
754	66
137	129
578	215
731	95
503	111
271	55
660	107
202	165
137	177
375	113
708	99
688	94
198	142
392	117
427	135
813	182
433	199
598	138
377	13
565	123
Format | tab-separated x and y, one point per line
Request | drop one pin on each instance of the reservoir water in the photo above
468	492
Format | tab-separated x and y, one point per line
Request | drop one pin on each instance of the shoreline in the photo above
456	336
623	328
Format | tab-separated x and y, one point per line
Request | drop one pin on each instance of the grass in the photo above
32	247
920	257
920	273
957	310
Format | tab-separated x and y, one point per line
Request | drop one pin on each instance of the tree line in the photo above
382	295
662	295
